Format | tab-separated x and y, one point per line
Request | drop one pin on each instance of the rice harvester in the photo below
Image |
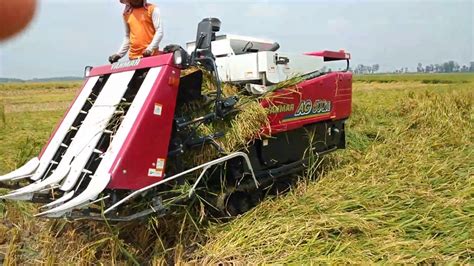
119	148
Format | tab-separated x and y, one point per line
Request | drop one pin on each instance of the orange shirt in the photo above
142	30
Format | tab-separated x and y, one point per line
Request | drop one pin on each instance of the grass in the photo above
402	192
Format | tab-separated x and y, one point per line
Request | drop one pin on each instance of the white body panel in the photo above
299	64
236	64
238	68
22	172
248	68
67	196
229	44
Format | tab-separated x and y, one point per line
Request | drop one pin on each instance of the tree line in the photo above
446	67
363	69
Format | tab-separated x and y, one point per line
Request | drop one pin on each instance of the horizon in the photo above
80	78
391	34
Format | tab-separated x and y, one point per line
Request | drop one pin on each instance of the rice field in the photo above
402	192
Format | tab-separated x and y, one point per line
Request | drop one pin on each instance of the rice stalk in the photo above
3	117
241	129
26	150
11	258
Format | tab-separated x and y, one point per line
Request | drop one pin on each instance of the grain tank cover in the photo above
228	44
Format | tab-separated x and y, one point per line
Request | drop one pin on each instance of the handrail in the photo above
204	166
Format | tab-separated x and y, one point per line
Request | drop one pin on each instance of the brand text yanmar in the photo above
126	64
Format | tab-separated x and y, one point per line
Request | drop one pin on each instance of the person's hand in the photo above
114	58
147	53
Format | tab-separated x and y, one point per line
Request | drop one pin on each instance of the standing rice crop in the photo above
403	196
3	118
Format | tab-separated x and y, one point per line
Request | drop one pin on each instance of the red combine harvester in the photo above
117	153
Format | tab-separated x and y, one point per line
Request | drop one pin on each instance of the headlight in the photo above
87	71
178	57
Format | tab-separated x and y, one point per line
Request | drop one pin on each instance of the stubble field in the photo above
402	192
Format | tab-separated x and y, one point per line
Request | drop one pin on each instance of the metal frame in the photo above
204	168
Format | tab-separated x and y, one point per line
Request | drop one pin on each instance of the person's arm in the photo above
126	41
155	43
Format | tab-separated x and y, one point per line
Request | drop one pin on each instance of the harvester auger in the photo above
119	152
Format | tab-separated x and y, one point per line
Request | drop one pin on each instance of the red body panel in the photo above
331	55
148	141
328	97
165	59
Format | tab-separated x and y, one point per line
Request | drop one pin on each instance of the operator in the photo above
143	30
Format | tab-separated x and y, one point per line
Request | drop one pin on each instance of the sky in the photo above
67	35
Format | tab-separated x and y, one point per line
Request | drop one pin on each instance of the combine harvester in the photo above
119	148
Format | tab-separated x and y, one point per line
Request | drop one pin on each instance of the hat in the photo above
128	8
